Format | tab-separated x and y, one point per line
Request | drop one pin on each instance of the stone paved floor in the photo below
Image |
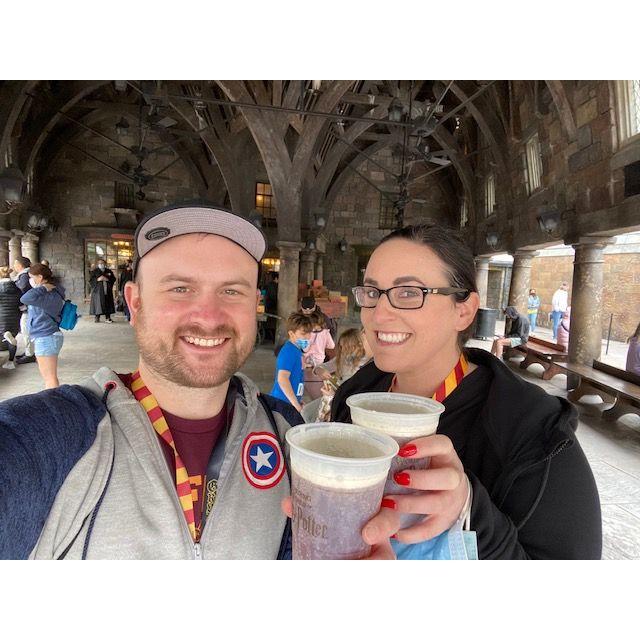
613	450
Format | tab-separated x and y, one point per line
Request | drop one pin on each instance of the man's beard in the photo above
166	360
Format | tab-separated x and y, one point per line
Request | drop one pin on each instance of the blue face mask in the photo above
453	544
302	343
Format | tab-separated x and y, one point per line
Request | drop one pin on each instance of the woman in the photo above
9	316
633	354
44	302
533	305
562	337
532	492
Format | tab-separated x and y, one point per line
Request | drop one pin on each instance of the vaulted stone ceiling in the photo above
311	137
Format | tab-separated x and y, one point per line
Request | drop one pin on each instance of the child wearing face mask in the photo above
289	382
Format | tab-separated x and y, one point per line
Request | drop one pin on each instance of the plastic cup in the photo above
338	473
403	417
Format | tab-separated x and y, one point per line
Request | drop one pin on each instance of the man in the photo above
133	465
21	266
125	276
102	302
271	305
517	334
559	304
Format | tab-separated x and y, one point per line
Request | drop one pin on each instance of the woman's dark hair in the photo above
44	271
449	245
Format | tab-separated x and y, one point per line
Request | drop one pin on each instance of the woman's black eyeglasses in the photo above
403	297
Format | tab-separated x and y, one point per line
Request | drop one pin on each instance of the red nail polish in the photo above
402	478
388	503
408	450
394	536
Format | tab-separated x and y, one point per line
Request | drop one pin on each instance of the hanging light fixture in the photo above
396	111
122	126
11	184
548	221
492	239
320	219
343	246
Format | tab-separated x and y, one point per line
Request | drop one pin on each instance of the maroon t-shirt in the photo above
194	440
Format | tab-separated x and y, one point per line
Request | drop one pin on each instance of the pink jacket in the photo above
563	333
315	354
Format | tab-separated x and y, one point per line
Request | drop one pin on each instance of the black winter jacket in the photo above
534	495
9	307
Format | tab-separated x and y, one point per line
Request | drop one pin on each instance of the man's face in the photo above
194	309
308	312
17	267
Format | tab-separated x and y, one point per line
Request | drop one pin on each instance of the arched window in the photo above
489	195
628	98
534	163
464	212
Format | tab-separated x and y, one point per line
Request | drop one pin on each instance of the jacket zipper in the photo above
195	546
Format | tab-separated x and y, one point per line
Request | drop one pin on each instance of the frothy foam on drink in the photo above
327	474
397	415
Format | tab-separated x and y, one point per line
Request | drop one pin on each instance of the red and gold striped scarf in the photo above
449	383
183	486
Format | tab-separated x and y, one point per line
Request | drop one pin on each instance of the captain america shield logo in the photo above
262	460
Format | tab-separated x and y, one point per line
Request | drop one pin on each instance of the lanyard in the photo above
447	386
154	412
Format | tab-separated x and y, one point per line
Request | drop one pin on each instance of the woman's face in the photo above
408	340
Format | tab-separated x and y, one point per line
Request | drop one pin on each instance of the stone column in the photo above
15	246
585	332
4	248
482	279
320	267
307	266
30	247
521	280
287	283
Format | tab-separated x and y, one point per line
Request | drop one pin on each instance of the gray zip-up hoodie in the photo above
140	516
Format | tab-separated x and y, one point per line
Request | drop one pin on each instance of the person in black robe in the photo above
126	275
102	281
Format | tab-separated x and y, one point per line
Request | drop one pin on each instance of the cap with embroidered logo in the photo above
178	220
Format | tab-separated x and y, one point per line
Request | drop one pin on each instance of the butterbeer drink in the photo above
404	417
338	473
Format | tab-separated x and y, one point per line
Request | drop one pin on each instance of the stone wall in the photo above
582	171
355	215
621	284
79	192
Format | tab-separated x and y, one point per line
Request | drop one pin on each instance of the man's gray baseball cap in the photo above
181	219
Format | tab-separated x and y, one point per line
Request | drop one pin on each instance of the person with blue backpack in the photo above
45	301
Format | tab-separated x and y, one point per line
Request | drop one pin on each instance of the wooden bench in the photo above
612	385
537	350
